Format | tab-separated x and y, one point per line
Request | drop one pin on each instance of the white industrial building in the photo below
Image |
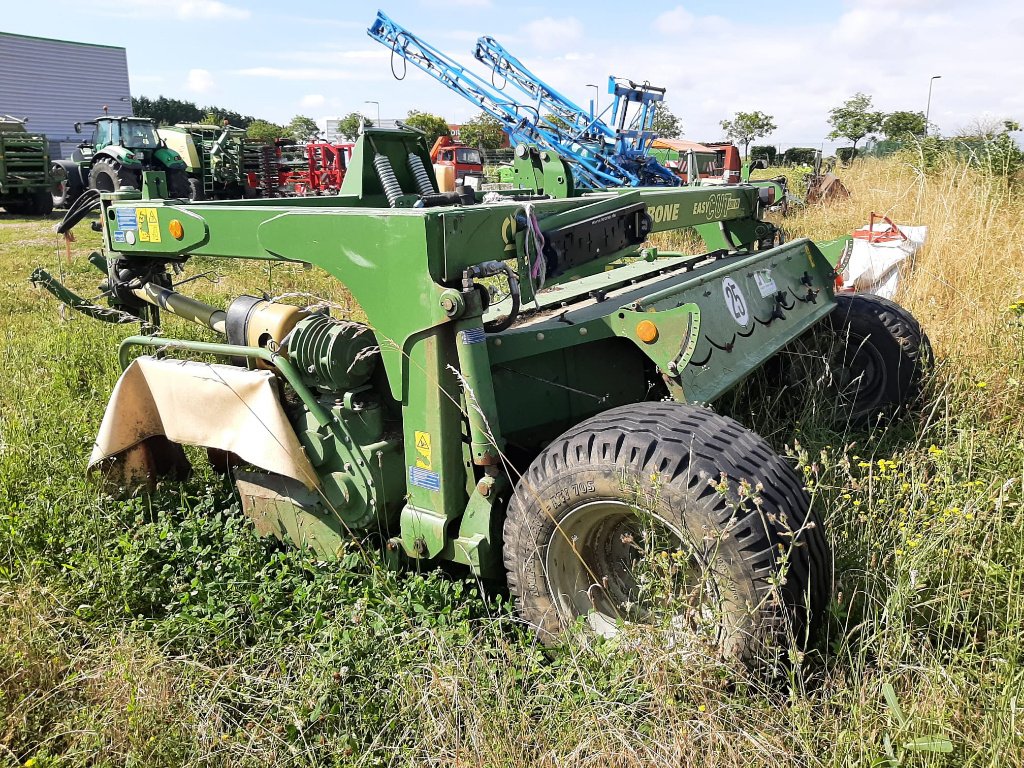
56	83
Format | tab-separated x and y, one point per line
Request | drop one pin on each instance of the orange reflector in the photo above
177	231
647	331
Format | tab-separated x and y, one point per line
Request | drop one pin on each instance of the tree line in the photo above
855	119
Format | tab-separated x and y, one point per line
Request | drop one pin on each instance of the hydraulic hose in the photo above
86	202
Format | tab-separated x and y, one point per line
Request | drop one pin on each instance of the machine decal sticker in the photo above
424	478
126	218
474	336
735	302
423	460
765	283
149	225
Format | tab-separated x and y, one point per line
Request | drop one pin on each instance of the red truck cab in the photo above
468	162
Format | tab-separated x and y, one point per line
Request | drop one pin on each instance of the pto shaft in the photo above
183	306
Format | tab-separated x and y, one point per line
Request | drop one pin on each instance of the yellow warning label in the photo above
149	225
423	450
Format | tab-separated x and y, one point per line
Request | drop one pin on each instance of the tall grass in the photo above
161	631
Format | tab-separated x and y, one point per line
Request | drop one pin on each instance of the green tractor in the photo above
557	440
24	169
115	157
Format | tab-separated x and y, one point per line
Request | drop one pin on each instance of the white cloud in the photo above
551	34
678	21
446	4
334	56
180	10
299	73
200	81
313	101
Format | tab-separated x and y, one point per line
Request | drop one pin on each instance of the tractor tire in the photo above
108	175
751	570
864	364
195	189
178	184
64	192
878	357
20	208
42	204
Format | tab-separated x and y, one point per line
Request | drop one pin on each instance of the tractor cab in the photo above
130	132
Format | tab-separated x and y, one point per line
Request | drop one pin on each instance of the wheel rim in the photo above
859	375
105	183
611	563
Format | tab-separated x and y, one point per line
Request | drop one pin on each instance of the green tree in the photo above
220	114
745	127
262	130
433	126
903	125
854	119
482	131
666	125
165	111
350	124
556	121
303	128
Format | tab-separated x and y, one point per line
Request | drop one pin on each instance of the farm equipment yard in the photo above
367	449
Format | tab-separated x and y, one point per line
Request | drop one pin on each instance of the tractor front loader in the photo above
556	439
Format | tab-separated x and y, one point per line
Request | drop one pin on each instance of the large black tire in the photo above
195	189
877	356
755	568
19	208
42	203
64	192
108	175
178	184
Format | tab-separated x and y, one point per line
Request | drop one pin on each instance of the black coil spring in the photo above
388	180
420	175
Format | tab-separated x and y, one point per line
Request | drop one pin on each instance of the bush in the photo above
846	154
798	156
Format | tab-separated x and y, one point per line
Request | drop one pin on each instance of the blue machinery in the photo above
601	155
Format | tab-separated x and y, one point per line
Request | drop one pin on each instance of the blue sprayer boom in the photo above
600	155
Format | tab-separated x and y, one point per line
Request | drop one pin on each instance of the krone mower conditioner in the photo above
555	438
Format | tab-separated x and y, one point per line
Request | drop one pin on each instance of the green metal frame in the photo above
455	400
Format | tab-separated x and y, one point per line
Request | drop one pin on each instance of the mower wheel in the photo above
42	203
63	193
178	184
671	515
108	175
877	357
21	208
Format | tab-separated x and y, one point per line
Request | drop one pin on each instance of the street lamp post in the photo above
378	111
928	109
597	105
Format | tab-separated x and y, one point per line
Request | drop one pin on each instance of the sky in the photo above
792	60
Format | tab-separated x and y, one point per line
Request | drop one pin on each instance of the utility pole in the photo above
597	105
378	123
928	109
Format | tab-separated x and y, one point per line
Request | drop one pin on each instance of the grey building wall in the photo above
56	83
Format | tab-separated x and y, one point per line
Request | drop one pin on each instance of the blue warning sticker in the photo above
424	478
474	336
126	218
119	236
